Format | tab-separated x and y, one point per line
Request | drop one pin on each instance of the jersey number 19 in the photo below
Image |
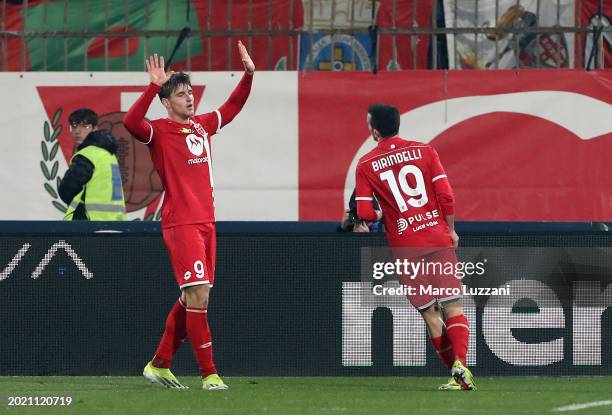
418	194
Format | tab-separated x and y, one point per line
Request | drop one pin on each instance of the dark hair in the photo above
176	80
385	119
83	116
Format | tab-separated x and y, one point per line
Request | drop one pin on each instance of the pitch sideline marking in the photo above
579	406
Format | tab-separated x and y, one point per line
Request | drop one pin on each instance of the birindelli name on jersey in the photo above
399	157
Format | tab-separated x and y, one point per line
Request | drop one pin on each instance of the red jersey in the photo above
181	154
409	182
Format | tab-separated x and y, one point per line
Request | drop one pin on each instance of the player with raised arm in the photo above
417	205
180	150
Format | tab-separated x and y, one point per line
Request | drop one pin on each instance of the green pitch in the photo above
286	396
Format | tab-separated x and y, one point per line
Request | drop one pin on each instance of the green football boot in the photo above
162	377
452	385
463	376
213	383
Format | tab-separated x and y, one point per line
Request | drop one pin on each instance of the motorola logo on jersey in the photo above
197	160
195	144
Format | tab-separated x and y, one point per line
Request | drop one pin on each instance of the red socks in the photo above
182	322
444	349
173	337
453	344
199	335
458	332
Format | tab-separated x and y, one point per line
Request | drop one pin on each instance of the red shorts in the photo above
192	250
436	282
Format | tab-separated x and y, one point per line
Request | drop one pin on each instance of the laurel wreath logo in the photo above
153	216
48	164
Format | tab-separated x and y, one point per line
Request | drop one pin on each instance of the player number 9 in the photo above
198	267
418	193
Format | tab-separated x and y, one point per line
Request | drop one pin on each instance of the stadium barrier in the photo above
91	299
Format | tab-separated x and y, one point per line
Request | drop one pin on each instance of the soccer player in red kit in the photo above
417	205
180	150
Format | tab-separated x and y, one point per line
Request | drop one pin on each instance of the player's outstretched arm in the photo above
238	98
134	119
249	66
444	195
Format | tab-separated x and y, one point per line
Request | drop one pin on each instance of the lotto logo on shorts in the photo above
187	275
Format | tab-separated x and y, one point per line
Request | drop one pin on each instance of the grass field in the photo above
355	395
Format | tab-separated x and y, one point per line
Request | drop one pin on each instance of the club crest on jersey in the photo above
198	128
195	144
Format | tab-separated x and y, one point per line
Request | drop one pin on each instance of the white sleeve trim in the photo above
364	198
195	310
457	325
438	177
218	118
150	135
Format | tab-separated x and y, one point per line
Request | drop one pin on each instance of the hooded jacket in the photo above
81	169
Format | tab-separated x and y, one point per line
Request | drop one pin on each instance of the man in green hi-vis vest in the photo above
92	186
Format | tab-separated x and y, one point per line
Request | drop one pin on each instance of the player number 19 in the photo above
418	194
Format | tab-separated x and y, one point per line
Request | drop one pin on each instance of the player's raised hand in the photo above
155	67
249	66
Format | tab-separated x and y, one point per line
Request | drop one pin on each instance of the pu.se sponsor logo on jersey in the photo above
419	221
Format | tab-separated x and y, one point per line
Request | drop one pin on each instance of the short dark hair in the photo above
83	116
385	119
176	80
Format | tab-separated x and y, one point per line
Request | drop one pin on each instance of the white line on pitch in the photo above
579	406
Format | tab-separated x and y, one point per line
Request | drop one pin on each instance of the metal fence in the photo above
109	35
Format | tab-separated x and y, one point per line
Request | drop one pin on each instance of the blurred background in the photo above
543	64
114	35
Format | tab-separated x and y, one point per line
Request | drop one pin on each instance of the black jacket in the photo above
352	217
81	169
